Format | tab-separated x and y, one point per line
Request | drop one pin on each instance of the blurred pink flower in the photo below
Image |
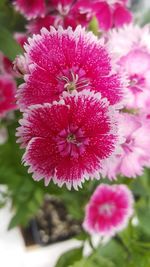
71	13
108	210
68	141
134	152
65	60
131	49
111	13
7	94
30	8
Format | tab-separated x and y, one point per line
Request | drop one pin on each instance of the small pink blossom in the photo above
134	152
30	8
108	210
68	141
7	94
131	49
65	60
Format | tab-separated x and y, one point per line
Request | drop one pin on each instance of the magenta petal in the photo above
122	16
104	15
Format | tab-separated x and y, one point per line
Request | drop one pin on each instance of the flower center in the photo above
107	209
71	138
71	80
137	82
71	142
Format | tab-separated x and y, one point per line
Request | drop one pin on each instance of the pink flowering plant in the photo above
75	123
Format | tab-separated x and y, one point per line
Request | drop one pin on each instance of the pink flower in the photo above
111	13
108	210
134	153
7	94
30	8
131	49
66	60
68	141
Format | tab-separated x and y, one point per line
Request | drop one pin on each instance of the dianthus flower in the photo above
68	141
108	210
134	151
66	60
30	8
7	94
130	46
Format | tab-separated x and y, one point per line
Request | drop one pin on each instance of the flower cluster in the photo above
41	13
131	50
70	101
85	101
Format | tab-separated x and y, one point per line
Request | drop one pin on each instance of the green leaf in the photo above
70	257
144	218
114	252
17	219
94	261
8	45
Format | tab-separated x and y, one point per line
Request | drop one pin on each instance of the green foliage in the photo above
8	45
70	257
94	260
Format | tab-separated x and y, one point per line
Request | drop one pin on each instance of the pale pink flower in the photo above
108	210
68	141
134	152
131	48
7	94
65	60
30	8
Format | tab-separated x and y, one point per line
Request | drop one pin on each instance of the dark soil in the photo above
51	224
